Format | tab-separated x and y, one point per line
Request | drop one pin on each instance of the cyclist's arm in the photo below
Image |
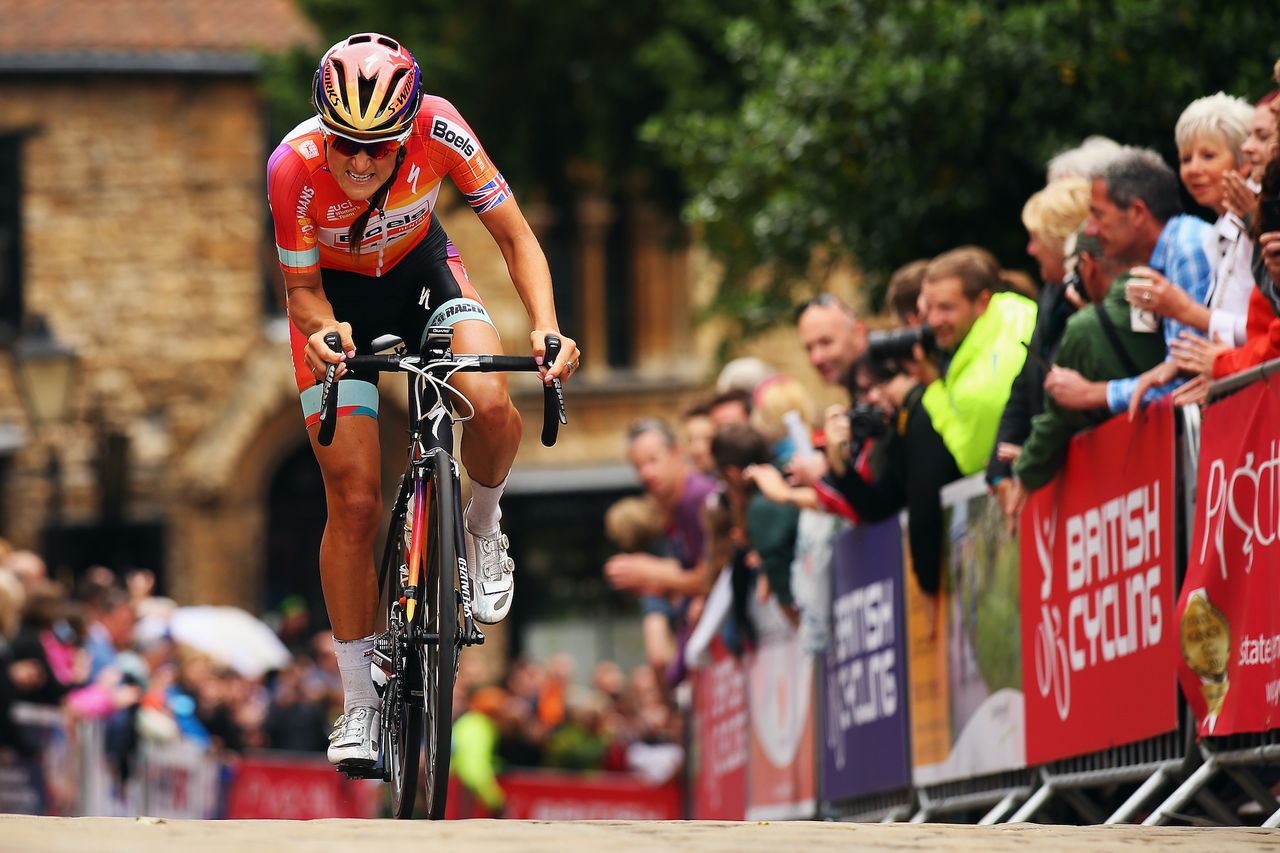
530	274
312	315
525	261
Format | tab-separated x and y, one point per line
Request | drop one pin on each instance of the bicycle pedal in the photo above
355	771
475	638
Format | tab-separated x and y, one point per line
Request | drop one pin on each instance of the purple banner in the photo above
865	724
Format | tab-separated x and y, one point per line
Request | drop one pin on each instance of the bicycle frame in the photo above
424	569
430	443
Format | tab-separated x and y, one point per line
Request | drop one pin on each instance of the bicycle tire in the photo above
440	659
401	711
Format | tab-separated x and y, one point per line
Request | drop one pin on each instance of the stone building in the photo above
133	138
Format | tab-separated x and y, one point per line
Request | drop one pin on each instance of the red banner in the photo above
547	795
1098	642
1227	614
720	721
782	762
279	787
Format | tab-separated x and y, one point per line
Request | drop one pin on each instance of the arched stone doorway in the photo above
295	511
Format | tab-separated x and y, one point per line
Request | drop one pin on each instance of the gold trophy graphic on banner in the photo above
1206	647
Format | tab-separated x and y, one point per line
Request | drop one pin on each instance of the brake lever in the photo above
329	395
552	416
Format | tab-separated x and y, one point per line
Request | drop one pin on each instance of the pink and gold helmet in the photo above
366	88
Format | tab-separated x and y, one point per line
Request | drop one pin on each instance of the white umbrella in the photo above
231	636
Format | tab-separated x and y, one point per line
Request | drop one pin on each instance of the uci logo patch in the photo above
453	136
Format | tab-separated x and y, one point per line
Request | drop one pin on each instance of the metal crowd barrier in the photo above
1179	774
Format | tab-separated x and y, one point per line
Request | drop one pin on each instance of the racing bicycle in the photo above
423	584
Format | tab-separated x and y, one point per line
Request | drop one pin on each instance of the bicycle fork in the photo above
471	635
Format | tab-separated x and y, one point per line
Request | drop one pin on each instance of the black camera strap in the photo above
1113	337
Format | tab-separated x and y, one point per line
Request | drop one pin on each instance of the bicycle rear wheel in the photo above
401	706
440	659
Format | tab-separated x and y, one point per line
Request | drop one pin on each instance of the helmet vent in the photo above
366	93
391	90
386	42
359	39
340	72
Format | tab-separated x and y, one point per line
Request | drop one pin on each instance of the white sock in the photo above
483	514
354	657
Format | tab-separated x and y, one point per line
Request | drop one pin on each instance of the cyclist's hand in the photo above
318	354
566	362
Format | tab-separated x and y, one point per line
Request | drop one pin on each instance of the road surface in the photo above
153	835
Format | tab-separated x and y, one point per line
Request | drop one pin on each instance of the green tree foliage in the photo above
546	86
895	129
795	130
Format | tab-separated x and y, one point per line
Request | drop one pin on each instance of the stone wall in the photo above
143	222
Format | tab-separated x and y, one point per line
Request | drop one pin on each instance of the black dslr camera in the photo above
867	421
899	344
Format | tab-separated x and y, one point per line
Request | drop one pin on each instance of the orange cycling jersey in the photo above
312	214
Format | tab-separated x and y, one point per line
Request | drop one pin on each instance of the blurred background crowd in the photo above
152	672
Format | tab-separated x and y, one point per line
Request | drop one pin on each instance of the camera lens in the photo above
899	343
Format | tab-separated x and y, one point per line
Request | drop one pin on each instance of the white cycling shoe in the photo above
354	739
492	575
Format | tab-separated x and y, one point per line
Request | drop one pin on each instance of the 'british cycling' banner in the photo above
1098	637
865	724
1230	625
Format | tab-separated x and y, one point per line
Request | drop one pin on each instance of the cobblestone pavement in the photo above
153	835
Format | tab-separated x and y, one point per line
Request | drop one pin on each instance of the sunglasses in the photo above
350	147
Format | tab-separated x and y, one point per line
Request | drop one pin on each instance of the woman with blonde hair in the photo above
1052	216
783	412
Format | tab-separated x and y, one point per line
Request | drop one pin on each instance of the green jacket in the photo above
1087	349
771	530
966	404
475	758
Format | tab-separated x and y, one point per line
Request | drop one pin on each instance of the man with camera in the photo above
916	463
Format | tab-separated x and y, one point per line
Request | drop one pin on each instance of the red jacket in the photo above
1262	343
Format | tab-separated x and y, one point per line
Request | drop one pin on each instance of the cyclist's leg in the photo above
353	497
490	438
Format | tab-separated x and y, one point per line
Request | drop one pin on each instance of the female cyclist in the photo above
352	195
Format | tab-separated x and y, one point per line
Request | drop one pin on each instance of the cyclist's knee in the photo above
356	509
494	408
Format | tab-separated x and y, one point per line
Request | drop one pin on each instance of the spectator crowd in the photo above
107	652
978	369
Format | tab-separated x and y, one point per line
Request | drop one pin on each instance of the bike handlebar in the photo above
553	413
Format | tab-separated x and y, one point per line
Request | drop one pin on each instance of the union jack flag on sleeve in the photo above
489	196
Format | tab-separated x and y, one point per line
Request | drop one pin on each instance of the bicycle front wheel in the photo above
401	708
440	658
